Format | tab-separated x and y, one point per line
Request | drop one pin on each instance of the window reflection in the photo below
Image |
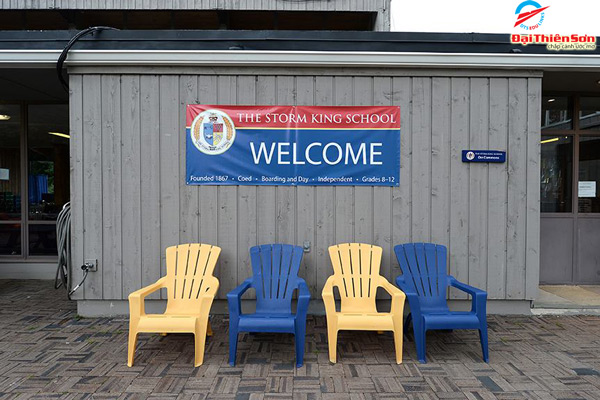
589	114
10	162
556	176
10	239
42	240
48	156
556	113
589	174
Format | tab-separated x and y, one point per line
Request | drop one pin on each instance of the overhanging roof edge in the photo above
47	58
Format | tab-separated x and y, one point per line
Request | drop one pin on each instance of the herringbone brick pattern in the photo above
47	352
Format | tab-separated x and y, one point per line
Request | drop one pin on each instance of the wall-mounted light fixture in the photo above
4	117
550	140
64	135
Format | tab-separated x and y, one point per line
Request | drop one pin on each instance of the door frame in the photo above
576	133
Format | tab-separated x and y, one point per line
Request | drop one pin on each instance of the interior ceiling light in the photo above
551	100
64	135
4	117
598	82
550	140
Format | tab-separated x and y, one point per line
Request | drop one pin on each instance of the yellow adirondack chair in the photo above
191	288
356	275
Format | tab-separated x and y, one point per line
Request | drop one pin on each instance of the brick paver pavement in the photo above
47	352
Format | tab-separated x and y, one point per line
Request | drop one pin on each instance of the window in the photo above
589	113
556	113
570	155
10	180
556	170
34	177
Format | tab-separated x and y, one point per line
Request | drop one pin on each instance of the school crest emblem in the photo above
212	132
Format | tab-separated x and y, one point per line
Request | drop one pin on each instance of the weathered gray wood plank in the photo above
265	197
207	199
131	184
189	214
285	196
532	254
169	164
382	196
344	195
517	186
77	176
227	203
440	160
111	187
363	195
324	199
150	188
247	222
459	184
421	160
305	198
92	182
401	199
478	182
497	190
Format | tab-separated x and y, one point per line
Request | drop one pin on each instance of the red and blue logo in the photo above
529	12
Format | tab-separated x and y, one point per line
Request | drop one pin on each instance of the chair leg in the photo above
233	340
420	335
398	338
199	342
332	334
209	331
300	337
131	347
483	337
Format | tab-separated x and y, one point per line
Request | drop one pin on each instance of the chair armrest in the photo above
328	299
398	296
213	286
303	292
136	299
479	296
473	291
411	295
235	296
388	287
303	298
208	296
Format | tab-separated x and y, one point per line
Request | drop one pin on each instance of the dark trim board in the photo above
276	40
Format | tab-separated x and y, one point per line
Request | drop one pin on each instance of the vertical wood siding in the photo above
130	200
382	7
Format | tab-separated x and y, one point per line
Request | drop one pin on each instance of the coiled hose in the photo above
63	244
63	276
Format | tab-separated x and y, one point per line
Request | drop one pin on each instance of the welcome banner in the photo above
292	145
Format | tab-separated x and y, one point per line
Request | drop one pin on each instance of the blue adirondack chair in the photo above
275	268
424	281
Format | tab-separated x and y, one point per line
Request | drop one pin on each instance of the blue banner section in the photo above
485	156
369	157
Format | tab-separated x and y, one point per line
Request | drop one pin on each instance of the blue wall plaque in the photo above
484	156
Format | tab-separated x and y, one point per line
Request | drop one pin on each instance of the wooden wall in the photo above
130	200
382	7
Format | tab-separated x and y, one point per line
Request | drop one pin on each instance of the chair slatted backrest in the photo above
424	269
356	271
188	266
275	268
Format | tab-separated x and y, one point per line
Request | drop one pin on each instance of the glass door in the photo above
570	219
34	178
